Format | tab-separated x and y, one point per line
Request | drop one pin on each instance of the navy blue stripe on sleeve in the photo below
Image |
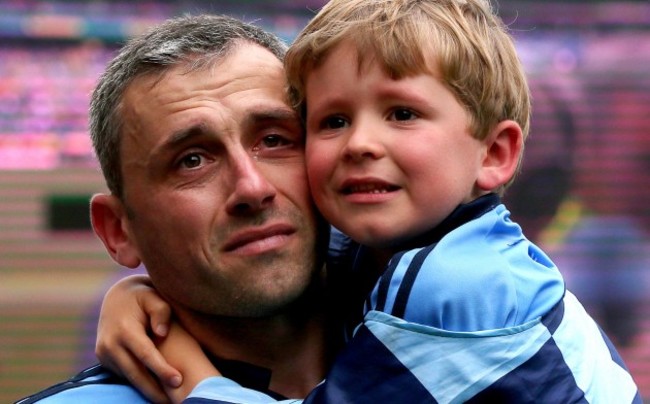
404	292
384	281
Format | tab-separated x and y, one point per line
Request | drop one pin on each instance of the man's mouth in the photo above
260	239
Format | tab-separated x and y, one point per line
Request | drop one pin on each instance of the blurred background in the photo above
583	194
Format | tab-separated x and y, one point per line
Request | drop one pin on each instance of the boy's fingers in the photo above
159	317
153	360
139	377
106	355
158	311
126	366
111	348
143	351
134	356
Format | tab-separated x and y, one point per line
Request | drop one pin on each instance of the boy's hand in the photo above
132	309
184	353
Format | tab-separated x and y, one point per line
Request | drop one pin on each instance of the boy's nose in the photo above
364	142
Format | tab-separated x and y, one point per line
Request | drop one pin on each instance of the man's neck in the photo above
293	345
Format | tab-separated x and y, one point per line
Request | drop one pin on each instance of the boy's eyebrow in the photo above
401	92
412	95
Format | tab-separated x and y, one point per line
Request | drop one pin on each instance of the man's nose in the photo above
251	191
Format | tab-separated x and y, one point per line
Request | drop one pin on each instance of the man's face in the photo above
215	186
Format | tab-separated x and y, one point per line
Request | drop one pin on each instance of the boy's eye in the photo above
403	114
334	122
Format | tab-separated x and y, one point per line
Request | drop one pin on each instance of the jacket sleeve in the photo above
222	390
560	357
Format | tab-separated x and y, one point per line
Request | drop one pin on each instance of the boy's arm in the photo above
184	353
130	310
202	382
225	391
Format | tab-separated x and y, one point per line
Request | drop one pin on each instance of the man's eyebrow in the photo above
181	136
279	115
275	114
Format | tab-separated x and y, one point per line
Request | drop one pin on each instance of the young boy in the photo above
416	113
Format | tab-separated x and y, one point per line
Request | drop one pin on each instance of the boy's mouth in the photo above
374	187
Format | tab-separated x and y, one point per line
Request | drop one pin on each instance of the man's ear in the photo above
504	145
111	224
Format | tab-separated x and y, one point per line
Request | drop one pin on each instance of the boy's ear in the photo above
503	147
111	224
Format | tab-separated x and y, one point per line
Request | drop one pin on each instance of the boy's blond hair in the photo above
464	41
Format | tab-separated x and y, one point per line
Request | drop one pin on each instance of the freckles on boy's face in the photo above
387	159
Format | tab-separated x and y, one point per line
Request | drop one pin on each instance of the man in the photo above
204	161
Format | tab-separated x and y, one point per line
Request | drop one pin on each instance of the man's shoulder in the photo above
95	384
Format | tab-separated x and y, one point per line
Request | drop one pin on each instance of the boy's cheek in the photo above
318	160
318	179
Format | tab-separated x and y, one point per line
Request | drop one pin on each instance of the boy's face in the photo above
386	159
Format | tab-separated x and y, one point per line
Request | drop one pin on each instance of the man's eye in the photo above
403	114
275	143
272	141
191	160
334	122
